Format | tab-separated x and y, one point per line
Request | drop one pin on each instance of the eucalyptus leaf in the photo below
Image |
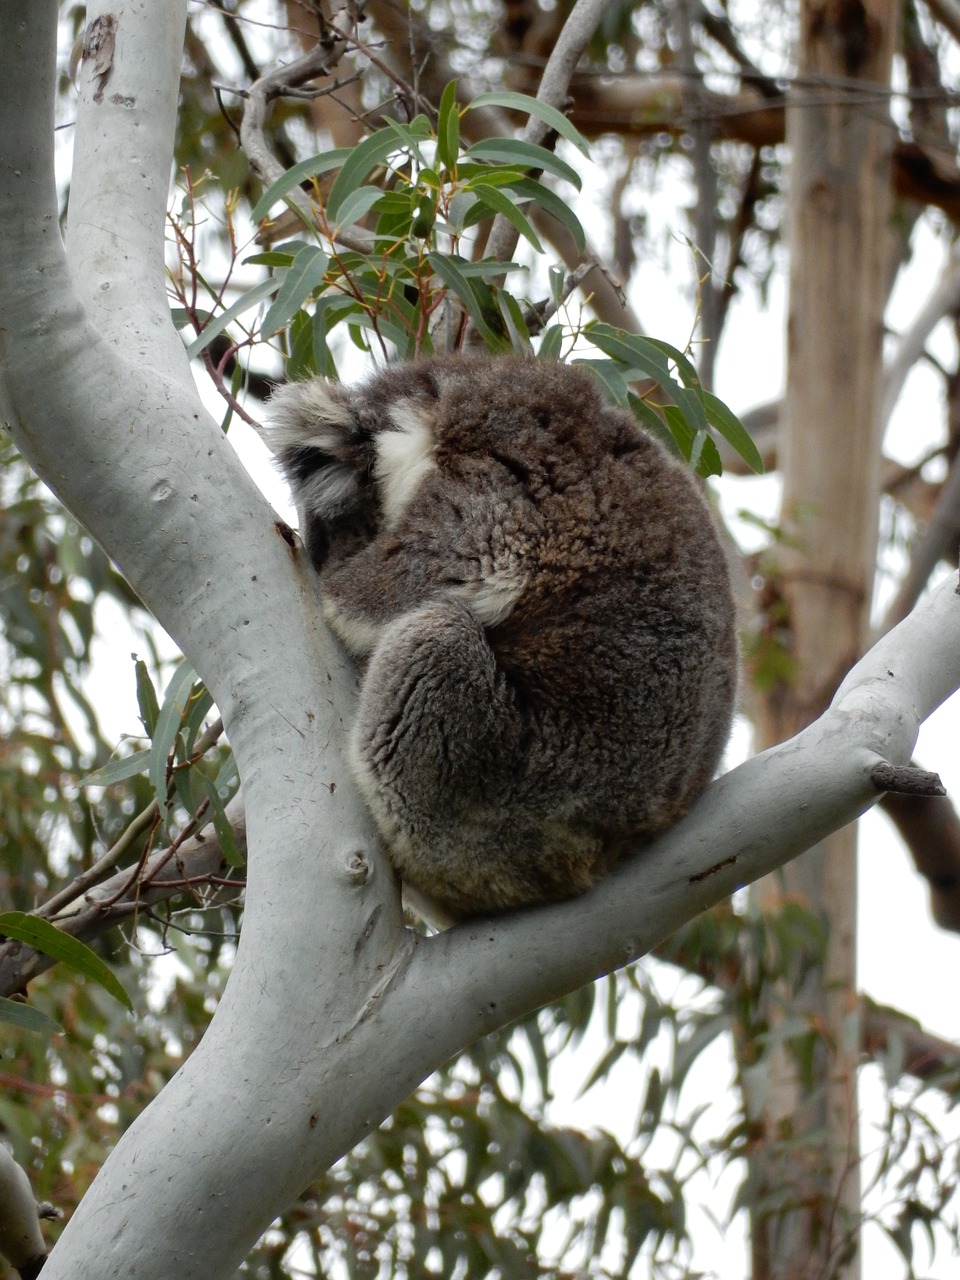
265	289
449	268
524	155
175	701
448	127
294	176
497	201
26	1016
119	770
533	107
53	942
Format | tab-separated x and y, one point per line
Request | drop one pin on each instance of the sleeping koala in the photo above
540	599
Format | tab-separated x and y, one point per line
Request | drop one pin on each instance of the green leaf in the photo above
299	362
221	825
696	446
304	276
687	372
733	431
556	275
357	205
24	1015
366	155
328	311
515	323
496	200
293	177
274	257
175	701
227	778
448	127
551	344
485	267
146	697
118	770
53	942
647	358
553	204
449	267
652	421
533	107
525	155
265	289
609	377
409	136
630	349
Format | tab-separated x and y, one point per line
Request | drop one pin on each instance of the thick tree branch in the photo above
930	548
134	456
642	106
115	225
749	822
20	1240
925	1056
943	301
947	12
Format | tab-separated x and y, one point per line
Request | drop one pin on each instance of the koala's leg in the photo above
437	747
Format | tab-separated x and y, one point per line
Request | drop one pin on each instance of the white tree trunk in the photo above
333	1012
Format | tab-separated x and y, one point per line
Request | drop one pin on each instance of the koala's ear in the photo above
318	445
313	413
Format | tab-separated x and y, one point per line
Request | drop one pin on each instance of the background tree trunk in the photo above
838	235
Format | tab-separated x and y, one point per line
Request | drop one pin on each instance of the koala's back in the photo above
544	603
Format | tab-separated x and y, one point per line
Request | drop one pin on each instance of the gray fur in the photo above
541	600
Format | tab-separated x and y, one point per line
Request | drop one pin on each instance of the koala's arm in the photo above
450	546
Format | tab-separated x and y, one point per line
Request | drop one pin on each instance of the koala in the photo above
540	602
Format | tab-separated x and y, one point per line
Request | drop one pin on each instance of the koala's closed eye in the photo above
541	601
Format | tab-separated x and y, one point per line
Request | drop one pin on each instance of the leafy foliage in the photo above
420	280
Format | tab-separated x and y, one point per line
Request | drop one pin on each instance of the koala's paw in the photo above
320	447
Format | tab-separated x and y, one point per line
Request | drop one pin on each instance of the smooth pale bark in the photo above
830	458
333	1012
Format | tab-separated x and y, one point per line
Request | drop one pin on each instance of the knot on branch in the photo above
356	867
907	780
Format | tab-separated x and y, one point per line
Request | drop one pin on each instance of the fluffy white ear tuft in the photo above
404	456
305	413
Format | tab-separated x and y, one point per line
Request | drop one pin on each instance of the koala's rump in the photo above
629	707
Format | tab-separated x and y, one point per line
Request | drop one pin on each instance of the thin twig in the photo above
199	860
108	861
